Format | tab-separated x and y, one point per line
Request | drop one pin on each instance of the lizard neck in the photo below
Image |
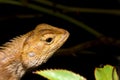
10	58
13	48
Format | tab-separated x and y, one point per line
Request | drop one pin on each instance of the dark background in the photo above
11	25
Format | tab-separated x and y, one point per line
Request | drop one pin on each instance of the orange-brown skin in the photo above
30	50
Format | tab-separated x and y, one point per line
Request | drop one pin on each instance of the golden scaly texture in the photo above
29	50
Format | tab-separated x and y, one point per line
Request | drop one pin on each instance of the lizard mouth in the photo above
49	53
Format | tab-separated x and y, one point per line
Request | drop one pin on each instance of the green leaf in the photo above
108	72
59	74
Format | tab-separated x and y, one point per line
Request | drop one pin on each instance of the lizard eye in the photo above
49	39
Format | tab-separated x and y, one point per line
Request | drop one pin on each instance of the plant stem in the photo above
57	14
77	9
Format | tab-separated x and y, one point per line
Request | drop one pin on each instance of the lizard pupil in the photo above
49	40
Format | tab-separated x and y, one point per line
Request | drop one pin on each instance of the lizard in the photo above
30	50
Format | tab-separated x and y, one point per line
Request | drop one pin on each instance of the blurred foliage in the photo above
108	72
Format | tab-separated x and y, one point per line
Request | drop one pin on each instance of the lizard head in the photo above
42	42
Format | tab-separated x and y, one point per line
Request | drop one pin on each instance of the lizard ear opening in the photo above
31	54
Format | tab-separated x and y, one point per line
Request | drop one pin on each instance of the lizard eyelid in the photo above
48	38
